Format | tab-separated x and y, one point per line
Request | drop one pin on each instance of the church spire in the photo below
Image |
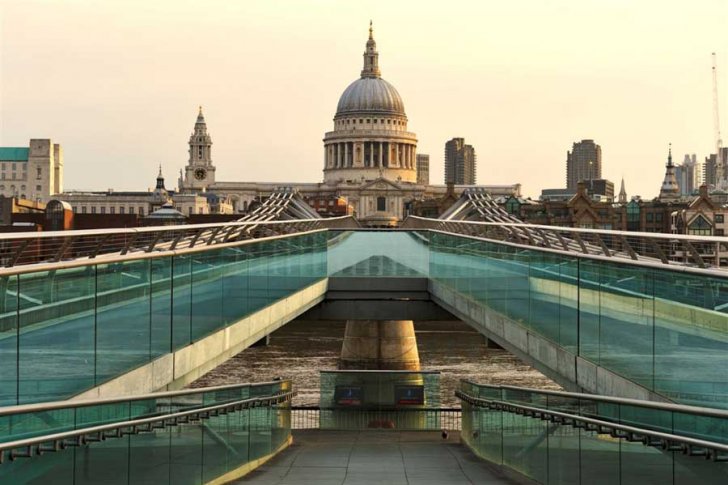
670	188
622	193
160	179
371	57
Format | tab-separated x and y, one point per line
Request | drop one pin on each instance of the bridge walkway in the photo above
325	457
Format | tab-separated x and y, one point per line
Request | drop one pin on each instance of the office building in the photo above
583	162
460	162
423	169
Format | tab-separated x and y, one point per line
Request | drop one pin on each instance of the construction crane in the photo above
720	169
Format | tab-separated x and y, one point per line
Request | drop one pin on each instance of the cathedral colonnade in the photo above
370	154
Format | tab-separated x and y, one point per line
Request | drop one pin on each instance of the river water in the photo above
300	349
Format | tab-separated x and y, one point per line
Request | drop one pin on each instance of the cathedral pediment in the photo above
380	184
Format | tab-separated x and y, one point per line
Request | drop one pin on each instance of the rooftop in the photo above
13	154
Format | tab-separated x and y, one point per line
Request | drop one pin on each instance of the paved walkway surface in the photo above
374	457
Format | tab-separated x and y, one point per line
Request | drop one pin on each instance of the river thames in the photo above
302	348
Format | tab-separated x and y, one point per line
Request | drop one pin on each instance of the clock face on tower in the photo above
200	174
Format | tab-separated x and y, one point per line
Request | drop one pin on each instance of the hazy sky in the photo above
118	83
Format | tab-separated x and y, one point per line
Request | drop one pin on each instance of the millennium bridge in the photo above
101	332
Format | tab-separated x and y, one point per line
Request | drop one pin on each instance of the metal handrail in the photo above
667	249
582	230
147	229
52	405
667	441
116	258
135	426
662	406
647	262
49	247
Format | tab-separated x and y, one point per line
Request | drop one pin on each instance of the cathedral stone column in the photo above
346	153
380	344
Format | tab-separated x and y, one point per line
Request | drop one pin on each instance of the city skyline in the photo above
121	91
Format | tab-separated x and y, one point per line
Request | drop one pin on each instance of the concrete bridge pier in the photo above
379	345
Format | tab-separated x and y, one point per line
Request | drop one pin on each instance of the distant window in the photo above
375	121
719	218
93	209
719	232
199	210
38	188
15	167
700	227
131	210
39	173
83	210
650	217
381	204
103	210
75	209
189	210
360	122
141	211
22	187
112	210
3	166
22	196
121	210
369	120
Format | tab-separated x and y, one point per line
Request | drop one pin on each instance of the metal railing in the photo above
664	249
81	403
39	445
666	441
26	248
309	417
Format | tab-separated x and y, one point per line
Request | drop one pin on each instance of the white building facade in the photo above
34	172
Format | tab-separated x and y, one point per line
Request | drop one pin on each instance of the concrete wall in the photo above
570	371
177	369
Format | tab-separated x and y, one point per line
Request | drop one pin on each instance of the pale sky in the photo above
118	82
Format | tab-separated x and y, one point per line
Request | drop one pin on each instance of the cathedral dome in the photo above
370	95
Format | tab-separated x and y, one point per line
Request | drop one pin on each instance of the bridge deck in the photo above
366	457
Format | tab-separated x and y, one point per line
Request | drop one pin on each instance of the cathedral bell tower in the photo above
200	172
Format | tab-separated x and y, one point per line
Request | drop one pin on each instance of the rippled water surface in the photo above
301	349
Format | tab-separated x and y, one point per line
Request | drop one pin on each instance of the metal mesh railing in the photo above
428	419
